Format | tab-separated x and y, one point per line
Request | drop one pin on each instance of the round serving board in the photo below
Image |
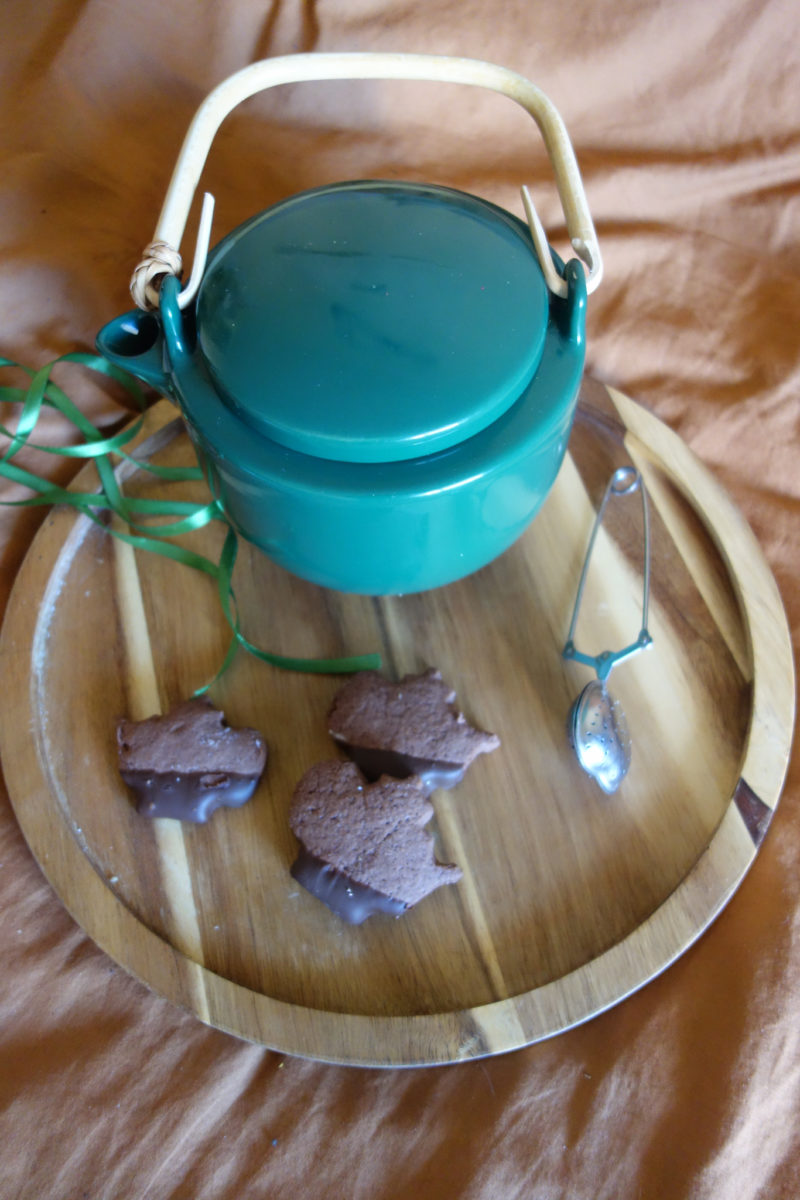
570	899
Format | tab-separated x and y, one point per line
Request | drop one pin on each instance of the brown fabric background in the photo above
685	121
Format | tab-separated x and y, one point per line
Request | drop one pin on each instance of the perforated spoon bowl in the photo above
599	735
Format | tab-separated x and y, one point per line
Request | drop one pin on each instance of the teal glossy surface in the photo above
371	321
376	528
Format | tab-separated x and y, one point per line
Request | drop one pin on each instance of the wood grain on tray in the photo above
570	899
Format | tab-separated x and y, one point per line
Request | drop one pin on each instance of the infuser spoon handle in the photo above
162	256
623	482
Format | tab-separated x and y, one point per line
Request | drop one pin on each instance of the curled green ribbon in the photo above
136	513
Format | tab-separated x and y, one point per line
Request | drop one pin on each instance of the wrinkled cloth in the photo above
686	124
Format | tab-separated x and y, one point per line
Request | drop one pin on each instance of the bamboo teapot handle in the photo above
162	256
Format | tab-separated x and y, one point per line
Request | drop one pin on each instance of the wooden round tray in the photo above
570	899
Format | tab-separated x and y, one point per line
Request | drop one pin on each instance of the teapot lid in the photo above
373	321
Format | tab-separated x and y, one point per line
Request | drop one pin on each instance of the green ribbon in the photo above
137	514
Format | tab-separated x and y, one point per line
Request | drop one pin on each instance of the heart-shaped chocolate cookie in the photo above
364	848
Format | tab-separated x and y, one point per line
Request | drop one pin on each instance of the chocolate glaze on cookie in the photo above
351	901
188	763
406	728
374	763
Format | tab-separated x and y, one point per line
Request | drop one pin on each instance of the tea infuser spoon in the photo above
596	723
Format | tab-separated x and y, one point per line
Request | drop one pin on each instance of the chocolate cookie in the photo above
406	728
363	846
189	763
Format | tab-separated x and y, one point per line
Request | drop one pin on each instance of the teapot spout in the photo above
135	343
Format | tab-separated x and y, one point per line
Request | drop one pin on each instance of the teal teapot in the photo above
379	377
